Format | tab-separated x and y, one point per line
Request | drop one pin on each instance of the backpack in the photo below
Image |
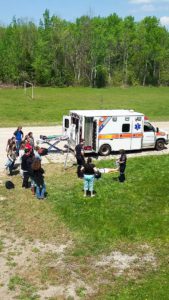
9	185
97	175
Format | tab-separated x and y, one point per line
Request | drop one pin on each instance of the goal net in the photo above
29	89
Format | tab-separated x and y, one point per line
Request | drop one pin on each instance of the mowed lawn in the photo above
130	219
50	104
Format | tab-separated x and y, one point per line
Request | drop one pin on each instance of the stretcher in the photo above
52	141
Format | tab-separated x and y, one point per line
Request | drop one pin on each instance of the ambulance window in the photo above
114	119
66	123
148	127
125	127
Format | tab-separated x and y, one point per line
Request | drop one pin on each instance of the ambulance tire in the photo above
105	150
160	145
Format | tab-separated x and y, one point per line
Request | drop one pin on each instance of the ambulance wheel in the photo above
105	150
160	145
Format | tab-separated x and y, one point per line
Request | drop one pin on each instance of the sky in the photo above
32	10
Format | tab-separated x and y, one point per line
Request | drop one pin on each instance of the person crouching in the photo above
89	170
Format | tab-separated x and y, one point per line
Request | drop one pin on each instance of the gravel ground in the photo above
6	133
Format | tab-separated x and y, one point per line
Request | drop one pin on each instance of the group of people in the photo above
29	156
87	170
24	148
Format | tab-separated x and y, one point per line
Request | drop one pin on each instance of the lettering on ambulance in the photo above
102	123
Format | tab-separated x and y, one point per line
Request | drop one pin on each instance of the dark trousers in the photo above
122	177
80	163
25	179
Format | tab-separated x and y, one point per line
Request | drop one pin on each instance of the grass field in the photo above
129	219
50	104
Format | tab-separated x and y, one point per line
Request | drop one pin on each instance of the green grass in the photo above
50	104
134	211
121	217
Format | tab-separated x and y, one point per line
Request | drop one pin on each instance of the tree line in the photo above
92	51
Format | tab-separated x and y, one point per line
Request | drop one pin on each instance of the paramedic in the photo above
79	154
89	170
122	165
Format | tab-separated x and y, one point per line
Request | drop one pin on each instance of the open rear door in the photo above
88	131
66	125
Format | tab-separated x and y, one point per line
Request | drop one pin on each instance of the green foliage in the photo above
101	77
88	52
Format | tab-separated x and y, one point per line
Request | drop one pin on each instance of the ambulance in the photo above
105	131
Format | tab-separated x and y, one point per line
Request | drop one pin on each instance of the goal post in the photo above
27	86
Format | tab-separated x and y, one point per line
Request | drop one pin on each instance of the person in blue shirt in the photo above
19	136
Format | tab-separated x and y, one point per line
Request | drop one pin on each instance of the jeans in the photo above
10	165
40	191
88	182
18	143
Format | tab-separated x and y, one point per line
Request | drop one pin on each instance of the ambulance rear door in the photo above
66	124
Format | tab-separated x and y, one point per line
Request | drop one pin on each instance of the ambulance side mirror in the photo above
157	129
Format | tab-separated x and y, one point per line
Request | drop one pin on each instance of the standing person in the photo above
26	163
89	170
38	177
31	139
122	165
21	153
36	153
79	154
28	143
19	136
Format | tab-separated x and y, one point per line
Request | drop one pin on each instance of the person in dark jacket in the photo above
79	154
38	177
26	163
89	170
122	165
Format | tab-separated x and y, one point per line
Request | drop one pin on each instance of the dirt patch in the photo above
50	271
121	262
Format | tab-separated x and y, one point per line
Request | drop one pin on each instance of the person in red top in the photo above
28	144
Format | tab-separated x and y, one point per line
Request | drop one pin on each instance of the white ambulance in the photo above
111	130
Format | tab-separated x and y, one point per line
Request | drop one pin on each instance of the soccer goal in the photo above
29	89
